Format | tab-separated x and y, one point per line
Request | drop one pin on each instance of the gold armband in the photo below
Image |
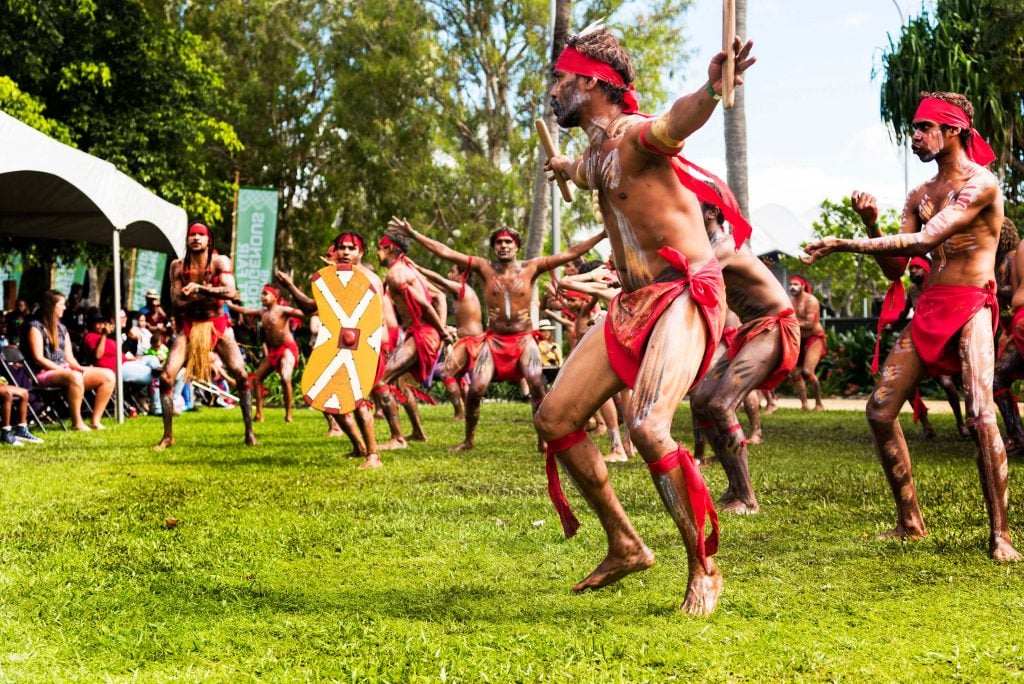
579	178
659	129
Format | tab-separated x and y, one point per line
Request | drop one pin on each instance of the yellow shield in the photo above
342	368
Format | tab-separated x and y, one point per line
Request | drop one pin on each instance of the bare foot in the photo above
902	532
929	434
770	409
756	438
459	416
372	461
965	433
733	503
601	429
258	418
393	444
614	568
334	432
164	443
462	446
1002	550
819	406
591	424
82	428
250	440
416	437
616	456
288	419
96	426
805	407
702	592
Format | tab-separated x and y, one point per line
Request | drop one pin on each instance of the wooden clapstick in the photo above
549	148
729	67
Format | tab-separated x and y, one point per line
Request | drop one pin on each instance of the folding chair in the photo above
51	399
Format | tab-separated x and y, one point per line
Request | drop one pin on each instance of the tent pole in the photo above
118	402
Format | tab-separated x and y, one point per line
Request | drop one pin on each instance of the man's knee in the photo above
882	409
649	439
551	423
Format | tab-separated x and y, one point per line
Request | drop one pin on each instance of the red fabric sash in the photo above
275	354
806	343
942	311
700	499
472	344
221	323
632	315
729	336
789	336
741	229
892	307
506	350
465	278
428	348
920	410
556	446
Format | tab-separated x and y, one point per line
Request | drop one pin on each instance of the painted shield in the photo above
342	367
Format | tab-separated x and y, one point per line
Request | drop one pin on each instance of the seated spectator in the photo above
156	317
100	343
20	433
47	348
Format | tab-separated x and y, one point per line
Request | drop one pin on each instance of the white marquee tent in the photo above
52	191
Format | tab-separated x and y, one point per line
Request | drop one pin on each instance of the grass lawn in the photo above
288	564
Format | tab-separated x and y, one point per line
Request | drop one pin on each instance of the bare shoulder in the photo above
222	263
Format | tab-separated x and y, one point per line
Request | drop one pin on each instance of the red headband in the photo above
272	290
507	234
801	279
385	241
942	112
572	61
199	228
358	241
922	263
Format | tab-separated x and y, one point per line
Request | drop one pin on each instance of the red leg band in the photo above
700	499
451	383
1005	391
736	427
569	522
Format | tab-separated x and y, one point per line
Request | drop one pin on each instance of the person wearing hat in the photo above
156	317
812	340
200	284
550	352
956	217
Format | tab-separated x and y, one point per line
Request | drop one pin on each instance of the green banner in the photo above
66	276
10	269
148	275
254	242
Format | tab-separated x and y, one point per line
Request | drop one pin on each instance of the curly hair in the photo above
505	229
957	100
600	44
1009	238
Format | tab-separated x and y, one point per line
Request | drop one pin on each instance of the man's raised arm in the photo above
439	280
305	302
549	263
444	251
690	112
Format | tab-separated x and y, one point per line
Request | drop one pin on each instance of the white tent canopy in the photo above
51	191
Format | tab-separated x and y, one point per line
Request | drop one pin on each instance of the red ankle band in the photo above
451	382
700	499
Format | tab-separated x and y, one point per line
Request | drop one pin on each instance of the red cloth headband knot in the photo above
801	279
572	61
921	262
942	112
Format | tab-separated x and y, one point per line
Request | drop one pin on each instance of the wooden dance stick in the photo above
549	148
729	67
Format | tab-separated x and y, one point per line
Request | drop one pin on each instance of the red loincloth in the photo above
1017	329
920	410
942	312
789	334
276	354
428	348
806	342
506	350
472	344
632	315
221	322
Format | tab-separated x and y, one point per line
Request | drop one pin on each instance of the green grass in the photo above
288	564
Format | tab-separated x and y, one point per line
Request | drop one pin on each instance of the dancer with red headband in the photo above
660	334
281	354
469	327
425	330
760	356
812	340
350	248
955	216
201	283
510	353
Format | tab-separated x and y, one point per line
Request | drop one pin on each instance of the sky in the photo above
812	108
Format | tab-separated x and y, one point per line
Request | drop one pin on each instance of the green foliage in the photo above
974	47
846	278
287	564
29	110
845	369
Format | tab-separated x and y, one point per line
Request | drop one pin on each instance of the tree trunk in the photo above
541	186
736	131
